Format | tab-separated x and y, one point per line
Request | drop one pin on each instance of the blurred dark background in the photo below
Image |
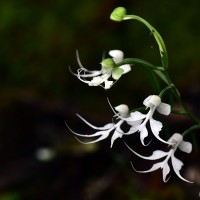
40	158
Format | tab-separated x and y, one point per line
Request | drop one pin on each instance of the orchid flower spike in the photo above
104	131
153	102
178	143
108	70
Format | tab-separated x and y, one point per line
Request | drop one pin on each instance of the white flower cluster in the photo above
137	123
136	120
108	70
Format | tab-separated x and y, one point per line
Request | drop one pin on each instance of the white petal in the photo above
146	101
84	81
98	133
152	100
185	147
133	129
177	165
122	109
164	108
107	126
156	154
176	139
96	81
108	84
90	74
134	123
143	134
154	168
156	126
117	55
84	73
165	172
135	116
126	68
116	135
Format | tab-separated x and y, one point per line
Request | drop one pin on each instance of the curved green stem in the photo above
119	14
140	62
166	89
192	128
178	97
157	36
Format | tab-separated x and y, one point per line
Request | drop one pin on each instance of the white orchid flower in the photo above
153	102
177	140
100	77
104	131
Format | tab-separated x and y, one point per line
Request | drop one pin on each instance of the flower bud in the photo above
155	100
176	139
152	100
107	65
122	109
118	14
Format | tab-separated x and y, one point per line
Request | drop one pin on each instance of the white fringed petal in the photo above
177	165
136	116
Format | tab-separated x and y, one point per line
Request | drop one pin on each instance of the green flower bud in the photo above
107	65
118	14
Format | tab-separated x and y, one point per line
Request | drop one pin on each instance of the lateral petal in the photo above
107	126
164	108
156	127
153	168
126	68
115	135
143	134
165	172
185	147
177	165
156	154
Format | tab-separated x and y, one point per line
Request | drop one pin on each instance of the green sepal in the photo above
107	65
117	73
118	14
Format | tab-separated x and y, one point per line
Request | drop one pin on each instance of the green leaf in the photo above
162	76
